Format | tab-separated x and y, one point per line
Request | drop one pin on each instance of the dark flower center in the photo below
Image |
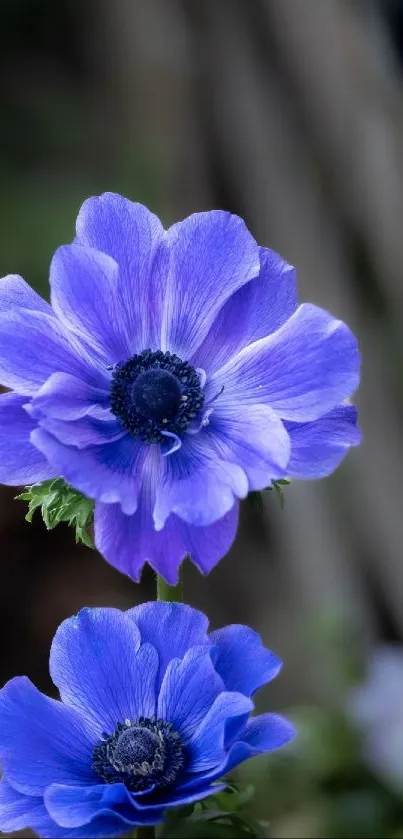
140	755
155	392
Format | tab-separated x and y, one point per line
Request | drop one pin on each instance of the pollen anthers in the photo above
145	754
156	394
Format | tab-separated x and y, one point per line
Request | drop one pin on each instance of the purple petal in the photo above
254	438
172	628
15	293
127	542
110	687
20	462
302	371
318	447
85	432
197	486
17	811
207	748
212	255
66	397
242	661
84	285
72	806
254	311
110	473
33	345
53	739
188	690
133	237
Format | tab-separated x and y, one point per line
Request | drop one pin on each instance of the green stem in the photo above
170	594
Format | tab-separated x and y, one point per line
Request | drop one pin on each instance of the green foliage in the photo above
59	502
277	486
221	816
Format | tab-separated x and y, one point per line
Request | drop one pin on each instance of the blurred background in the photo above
290	113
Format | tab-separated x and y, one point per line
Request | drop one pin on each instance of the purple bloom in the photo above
172	374
154	710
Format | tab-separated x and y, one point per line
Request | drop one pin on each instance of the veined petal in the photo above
318	447
189	688
197	486
54	740
20	462
111	472
172	628
254	437
302	371
33	345
101	670
134	238
242	661
72	806
128	541
17	811
207	747
84	432
256	310
212	255
262	734
15	293
65	397
85	296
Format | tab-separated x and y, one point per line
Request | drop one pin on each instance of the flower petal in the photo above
20	462
33	345
188	690
302	371
257	309
197	486
207	747
254	438
72	806
242	661
172	628
133	237
84	294
110	473
15	293
17	811
318	447
84	432
262	734
65	397
54	741
100	669
212	255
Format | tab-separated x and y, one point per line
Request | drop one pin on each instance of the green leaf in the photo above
256	498
218	816
59	502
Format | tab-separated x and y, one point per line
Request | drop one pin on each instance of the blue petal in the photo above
172	628
100	669
208	746
33	345
41	741
253	438
15	293
110	473
198	486
17	810
242	661
127	542
133	237
65	397
84	286
262	734
188	690
318	447
254	311
85	432
212	255
20	461
302	371
72	806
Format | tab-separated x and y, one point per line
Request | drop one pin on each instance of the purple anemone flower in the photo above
172	374
154	712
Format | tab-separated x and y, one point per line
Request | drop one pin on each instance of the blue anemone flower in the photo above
154	711
172	374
